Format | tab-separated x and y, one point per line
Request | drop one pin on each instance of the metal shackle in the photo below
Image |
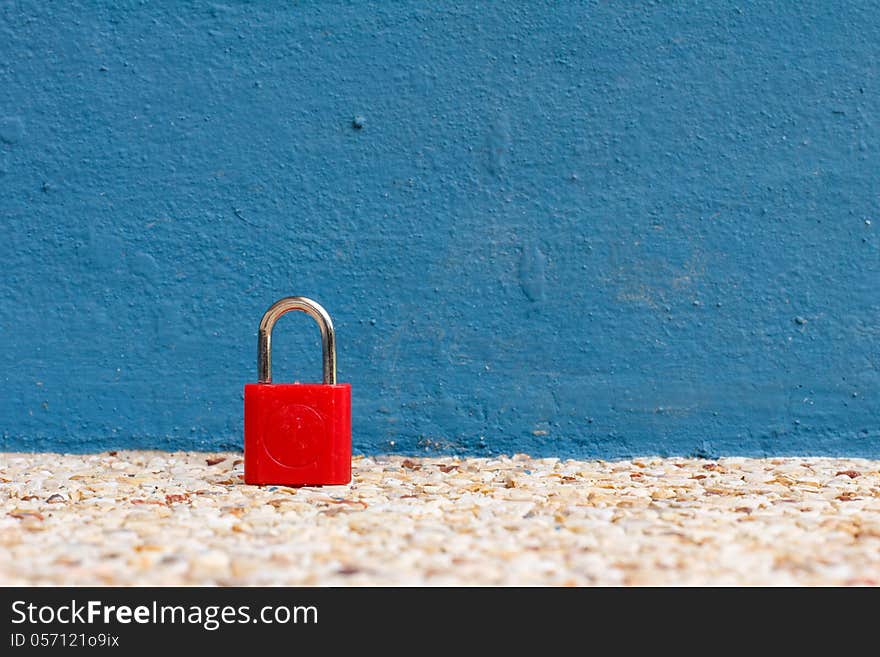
314	310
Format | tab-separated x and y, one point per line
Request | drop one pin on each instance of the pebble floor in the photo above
186	518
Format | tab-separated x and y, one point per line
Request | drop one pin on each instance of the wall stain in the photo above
532	273
11	129
499	142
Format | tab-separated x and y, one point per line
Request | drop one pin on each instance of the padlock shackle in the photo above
314	310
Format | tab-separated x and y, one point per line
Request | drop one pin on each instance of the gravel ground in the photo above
186	518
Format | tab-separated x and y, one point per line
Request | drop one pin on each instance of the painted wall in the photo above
592	229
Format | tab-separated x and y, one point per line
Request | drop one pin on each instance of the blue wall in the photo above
592	229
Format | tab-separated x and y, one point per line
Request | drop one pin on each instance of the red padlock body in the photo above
297	434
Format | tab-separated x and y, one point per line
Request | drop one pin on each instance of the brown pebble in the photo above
852	474
24	514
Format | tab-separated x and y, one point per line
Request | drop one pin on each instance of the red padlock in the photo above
297	434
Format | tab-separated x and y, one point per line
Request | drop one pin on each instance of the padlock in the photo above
297	434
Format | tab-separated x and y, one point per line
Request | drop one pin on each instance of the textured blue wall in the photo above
592	229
